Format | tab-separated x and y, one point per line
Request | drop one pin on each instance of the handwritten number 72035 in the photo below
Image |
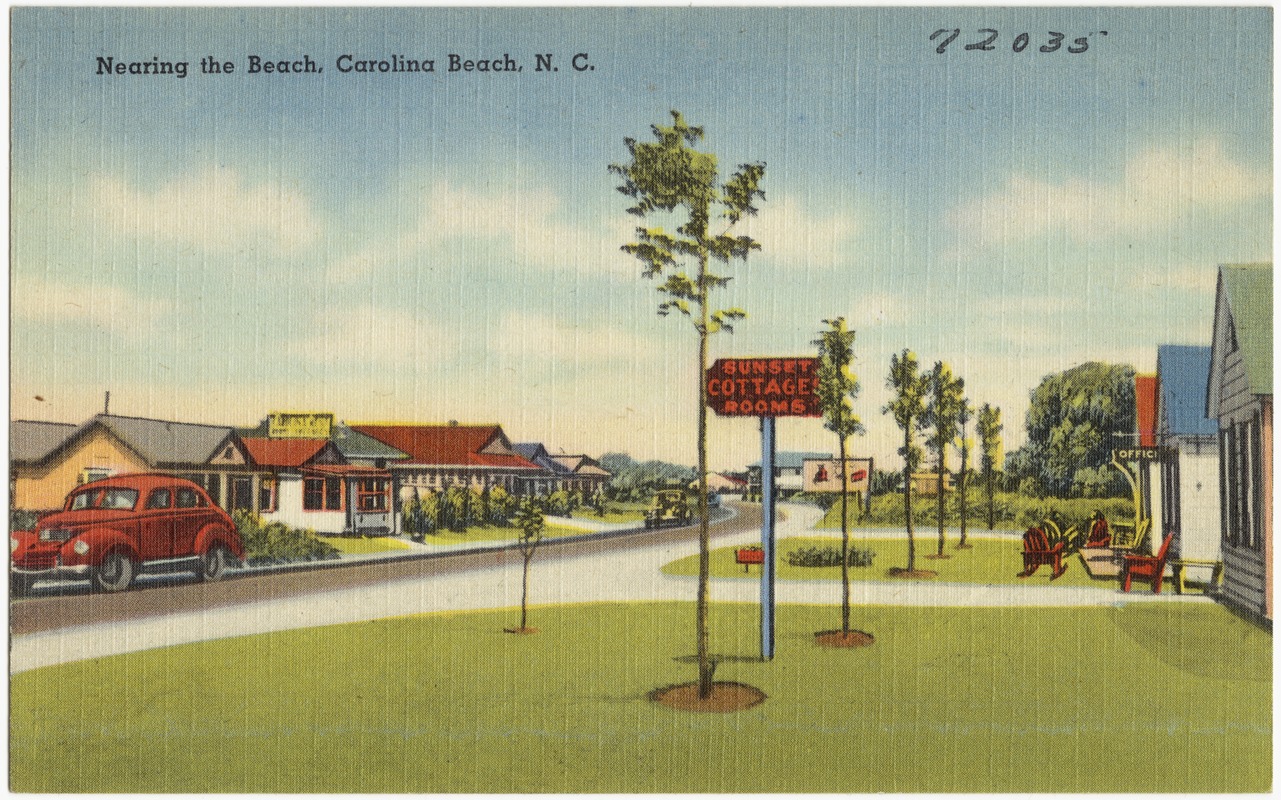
985	40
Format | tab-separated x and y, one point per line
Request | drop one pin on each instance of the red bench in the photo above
1038	551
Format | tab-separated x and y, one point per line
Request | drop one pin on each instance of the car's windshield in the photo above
113	497
87	499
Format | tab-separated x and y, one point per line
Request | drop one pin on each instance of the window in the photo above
322	494
267	494
160	498
189	498
242	494
313	494
371	495
1256	480
121	499
86	499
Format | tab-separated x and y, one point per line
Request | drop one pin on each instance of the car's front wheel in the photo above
213	564
114	574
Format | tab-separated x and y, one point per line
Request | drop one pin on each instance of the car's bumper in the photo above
56	571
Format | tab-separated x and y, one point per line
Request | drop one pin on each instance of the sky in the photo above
425	247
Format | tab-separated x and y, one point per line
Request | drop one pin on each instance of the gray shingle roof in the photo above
160	442
31	441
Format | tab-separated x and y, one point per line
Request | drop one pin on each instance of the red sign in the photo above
763	387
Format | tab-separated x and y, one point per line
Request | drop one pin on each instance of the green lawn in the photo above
1144	698
990	561
357	545
498	533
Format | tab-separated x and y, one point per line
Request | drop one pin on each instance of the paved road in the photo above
626	568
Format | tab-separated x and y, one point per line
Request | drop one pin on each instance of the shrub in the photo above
20	520
558	504
828	556
501	506
277	543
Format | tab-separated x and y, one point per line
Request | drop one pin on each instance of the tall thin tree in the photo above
946	394
837	389
670	176
906	407
989	430
964	413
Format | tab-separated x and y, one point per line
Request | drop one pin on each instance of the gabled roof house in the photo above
1239	397
43	469
440	456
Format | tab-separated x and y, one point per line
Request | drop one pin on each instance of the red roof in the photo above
449	445
1145	409
283	452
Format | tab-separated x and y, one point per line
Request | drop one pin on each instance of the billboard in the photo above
824	475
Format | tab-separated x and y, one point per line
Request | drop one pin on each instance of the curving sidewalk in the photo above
619	576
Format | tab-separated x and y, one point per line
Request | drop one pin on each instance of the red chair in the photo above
1146	568
1099	536
1037	551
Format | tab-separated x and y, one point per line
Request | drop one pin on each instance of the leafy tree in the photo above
1075	419
989	431
946	396
672	177
558	503
501	506
906	407
964	413
632	480
837	390
529	521
598	501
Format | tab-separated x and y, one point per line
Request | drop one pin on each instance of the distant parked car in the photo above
669	507
109	530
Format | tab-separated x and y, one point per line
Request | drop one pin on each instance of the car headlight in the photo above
81	547
13	544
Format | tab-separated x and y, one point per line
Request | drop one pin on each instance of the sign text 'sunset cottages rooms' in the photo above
763	387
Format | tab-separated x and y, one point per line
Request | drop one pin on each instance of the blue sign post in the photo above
767	538
764	388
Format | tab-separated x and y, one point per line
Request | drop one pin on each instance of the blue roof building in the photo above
1189	461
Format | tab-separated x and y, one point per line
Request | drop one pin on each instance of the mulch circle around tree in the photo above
839	639
899	572
522	631
726	697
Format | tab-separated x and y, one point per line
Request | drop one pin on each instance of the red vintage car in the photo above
109	530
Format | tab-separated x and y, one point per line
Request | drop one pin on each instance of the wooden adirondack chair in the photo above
1099	536
1038	551
1146	568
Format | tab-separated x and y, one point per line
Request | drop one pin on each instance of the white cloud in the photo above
523	220
214	209
1157	188
1199	278
371	336
110	310
525	335
796	236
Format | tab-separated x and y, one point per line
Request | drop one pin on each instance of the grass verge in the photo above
947	700
359	545
993	562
